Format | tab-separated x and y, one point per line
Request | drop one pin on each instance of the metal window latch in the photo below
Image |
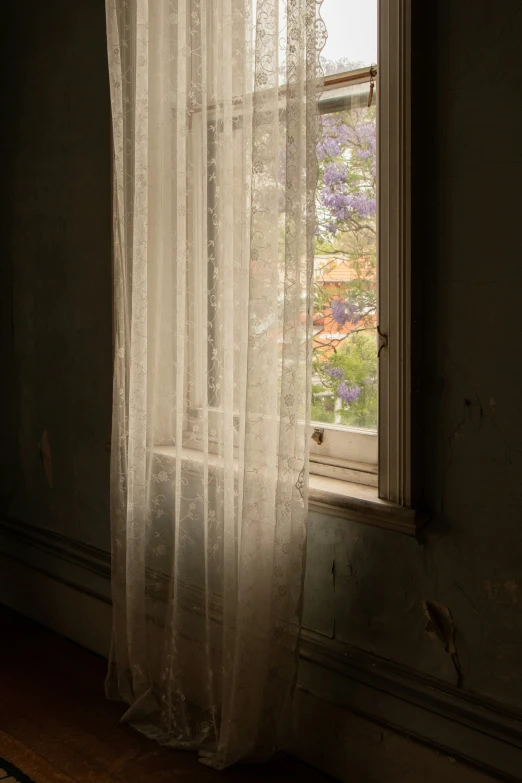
383	341
373	74
318	435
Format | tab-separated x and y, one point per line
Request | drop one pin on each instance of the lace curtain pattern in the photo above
214	106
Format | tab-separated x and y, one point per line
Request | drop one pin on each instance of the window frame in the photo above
360	474
394	251
341	452
393	437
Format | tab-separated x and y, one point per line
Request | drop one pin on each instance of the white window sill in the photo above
360	503
356	502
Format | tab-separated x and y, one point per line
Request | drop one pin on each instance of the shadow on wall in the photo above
450	604
56	312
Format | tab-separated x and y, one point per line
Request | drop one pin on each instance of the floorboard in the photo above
57	726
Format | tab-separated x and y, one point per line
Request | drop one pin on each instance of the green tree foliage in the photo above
355	360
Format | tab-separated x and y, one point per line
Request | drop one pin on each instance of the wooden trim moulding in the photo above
462	724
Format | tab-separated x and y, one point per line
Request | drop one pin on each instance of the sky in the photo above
352	30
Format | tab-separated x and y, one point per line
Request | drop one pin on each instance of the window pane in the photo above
352	34
344	390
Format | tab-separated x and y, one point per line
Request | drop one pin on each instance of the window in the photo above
360	452
345	383
361	385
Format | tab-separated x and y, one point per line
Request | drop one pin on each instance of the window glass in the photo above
344	390
352	34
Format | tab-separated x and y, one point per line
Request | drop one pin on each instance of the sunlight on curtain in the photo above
214	177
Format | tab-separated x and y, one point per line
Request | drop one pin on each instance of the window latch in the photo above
318	435
373	74
383	341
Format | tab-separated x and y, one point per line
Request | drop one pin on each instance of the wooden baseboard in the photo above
459	724
57	604
65	585
352	748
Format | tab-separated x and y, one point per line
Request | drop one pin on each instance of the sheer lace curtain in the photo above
214	106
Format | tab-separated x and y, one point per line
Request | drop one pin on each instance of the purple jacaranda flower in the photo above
334	372
334	136
344	313
364	203
334	174
342	205
348	392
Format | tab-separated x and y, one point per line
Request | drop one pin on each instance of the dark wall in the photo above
368	587
56	301
365	586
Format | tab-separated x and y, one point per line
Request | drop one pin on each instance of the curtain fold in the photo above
214	107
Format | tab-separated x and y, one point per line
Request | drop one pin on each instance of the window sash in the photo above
394	251
361	456
346	453
393	256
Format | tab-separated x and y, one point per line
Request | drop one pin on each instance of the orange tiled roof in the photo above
335	273
337	270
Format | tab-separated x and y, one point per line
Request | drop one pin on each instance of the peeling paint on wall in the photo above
441	626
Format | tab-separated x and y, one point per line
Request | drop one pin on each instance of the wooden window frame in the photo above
390	503
336	451
346	478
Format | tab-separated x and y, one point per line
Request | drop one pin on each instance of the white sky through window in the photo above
352	30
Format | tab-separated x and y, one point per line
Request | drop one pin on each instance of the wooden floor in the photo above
57	727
